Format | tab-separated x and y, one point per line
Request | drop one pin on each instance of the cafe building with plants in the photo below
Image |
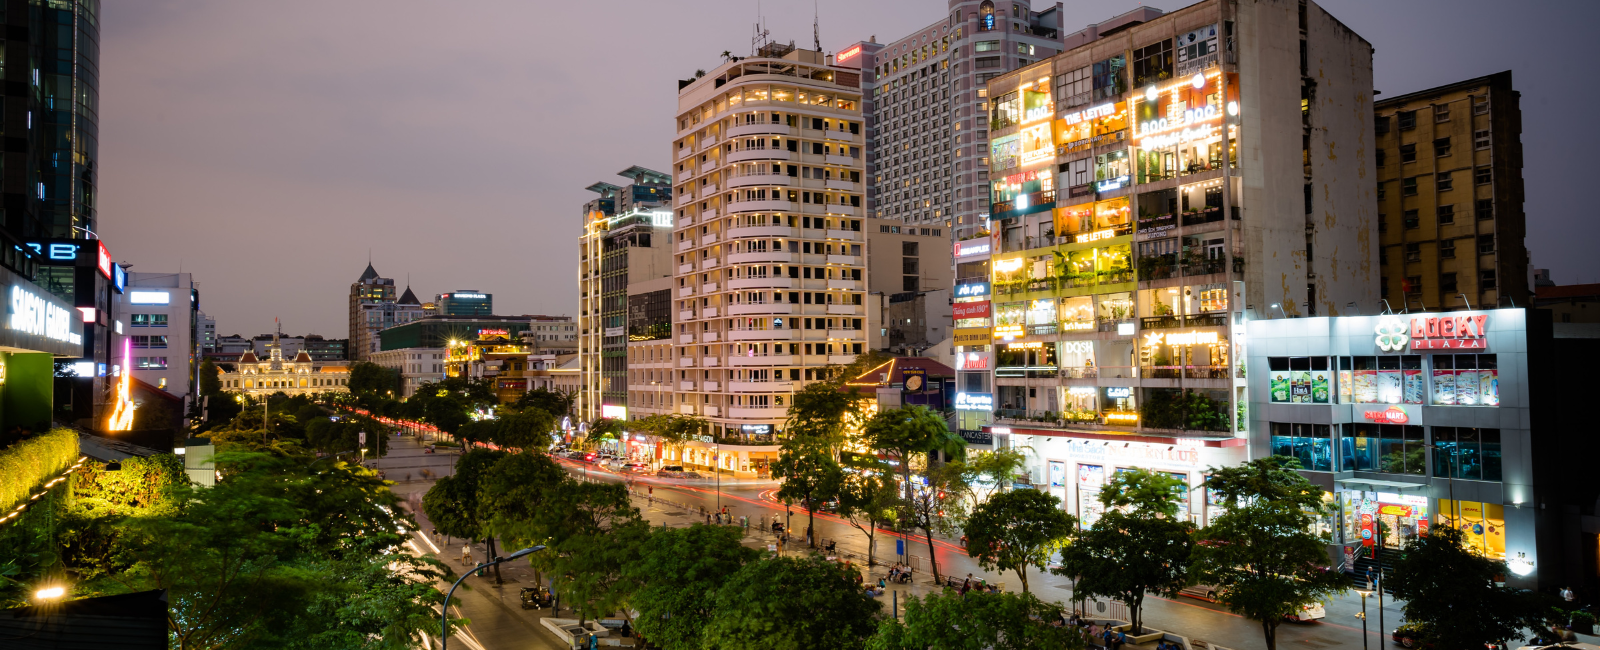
1415	421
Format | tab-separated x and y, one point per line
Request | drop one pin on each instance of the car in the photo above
1308	613
636	467
1407	636
670	471
1201	592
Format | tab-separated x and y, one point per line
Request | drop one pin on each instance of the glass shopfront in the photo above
1388	517
1483	524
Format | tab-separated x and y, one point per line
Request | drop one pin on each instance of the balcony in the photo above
1113	324
759	154
686	315
1171	321
686	362
844	284
770	413
710	362
848	335
709	312
760	257
1184	372
761	360
1157	223
844	234
761	283
1205	266
685	291
1206	215
758	179
685	339
762	231
851	260
763	128
765	205
685	245
746	308
1027	372
844	309
708	239
684	269
710	287
685	385
776	386
846	186
708	337
761	335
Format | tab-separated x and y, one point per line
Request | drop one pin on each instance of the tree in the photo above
1139	546
934	507
1260	553
1015	530
514	494
790	604
977	621
679	570
369	379
984	475
210	379
604	430
1451	597
592	531
913	430
555	403
823	412
452	503
809	476
867	500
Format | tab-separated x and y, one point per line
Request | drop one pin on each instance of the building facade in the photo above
417	366
297	375
374	308
650	348
1450	196
464	302
769	238
626	239
159	311
50	174
552	335
1142	211
909	278
925	103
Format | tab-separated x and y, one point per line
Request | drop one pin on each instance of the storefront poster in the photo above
1466	387
1058	474
1319	387
1183	498
1366	387
1368	529
1444	387
1414	387
1489	387
1280	386
1346	382
1090	479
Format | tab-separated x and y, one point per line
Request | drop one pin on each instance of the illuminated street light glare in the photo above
50	593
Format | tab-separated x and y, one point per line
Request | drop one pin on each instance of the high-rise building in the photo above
627	232
205	333
464	302
1450	196
53	103
374	308
925	107
1145	205
650	347
768	172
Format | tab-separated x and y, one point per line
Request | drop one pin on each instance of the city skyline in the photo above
332	145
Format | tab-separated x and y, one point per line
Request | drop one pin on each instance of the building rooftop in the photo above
1565	291
369	274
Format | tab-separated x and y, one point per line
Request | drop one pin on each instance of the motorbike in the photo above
536	597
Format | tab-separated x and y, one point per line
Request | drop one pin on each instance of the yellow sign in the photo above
1182	338
1096	235
972	336
1121	416
1007	331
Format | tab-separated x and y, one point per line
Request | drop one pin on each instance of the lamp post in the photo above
444	611
1363	616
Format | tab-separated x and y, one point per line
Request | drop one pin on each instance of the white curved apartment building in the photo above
769	243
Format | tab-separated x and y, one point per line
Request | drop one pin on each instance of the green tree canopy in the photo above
369	380
1018	529
1451	596
1138	547
823	412
1260	552
976	621
555	403
810	476
867	500
790	604
680	570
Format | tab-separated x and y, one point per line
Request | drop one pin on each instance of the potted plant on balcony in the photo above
1160	309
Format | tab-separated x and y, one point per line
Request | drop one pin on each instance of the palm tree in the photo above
727	56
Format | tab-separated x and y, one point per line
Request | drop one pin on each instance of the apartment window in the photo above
1446	213
157	341
1408	186
908	283
1381	124
1481	176
1441	181
1447	249
1484	209
1441	113
1407	120
1074	87
1485	244
1480	105
1486	279
1152	63
1410	219
987	62
1110	77
1413	284
150	363
1480	139
1441	146
148	320
1413	252
1447	282
1408	153
1381	157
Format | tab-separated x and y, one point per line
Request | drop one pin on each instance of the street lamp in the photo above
50	593
444	611
1363	616
1279	307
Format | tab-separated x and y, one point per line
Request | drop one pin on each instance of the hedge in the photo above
31	462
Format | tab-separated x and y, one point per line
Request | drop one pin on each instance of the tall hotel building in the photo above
626	241
769	285
1160	183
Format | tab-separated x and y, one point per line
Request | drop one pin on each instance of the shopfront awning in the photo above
1377	485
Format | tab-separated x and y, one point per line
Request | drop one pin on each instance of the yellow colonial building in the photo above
297	376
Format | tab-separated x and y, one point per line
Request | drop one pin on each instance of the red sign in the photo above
978	309
848	53
104	260
1398	511
1422	527
1368	530
1449	333
1391	415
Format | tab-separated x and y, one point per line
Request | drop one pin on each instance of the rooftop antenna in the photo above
816	33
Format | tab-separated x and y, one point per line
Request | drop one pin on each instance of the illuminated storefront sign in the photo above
963	310
1096	235
149	298
1009	265
1077	347
1391	415
1103	110
494	332
1182	338
469	296
1449	333
103	260
1121	417
1111	184
972	336
615	411
972	290
1008	331
848	53
974	402
32	314
1003	152
1036	103
1037	144
1030	345
1119	392
972	247
972	361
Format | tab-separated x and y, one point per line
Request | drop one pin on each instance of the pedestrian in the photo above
708	519
1122	638
466	554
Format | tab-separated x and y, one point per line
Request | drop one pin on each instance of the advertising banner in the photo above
972	336
963	310
1368	530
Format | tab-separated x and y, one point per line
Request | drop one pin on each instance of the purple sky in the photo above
267	146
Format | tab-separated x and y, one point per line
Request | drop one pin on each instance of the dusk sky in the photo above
266	147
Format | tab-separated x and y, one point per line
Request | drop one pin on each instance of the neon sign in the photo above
849	53
1119	392
31	314
1103	110
972	290
1096	235
974	402
1391	415
1449	333
103	261
972	247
